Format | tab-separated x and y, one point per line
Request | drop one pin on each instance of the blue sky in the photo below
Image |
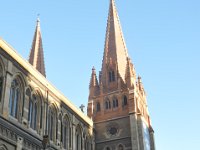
163	40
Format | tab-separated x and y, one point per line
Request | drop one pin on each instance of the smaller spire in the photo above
93	80
94	85
130	73
140	85
36	57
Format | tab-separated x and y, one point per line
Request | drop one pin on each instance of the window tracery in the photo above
78	138
111	76
66	132
15	97
115	102
98	107
125	101
107	104
52	123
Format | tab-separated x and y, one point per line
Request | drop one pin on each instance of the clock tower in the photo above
117	100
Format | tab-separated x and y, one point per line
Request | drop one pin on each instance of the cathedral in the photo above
34	115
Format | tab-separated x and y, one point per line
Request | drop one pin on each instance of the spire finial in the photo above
38	19
38	16
93	70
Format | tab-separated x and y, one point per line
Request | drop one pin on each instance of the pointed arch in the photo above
79	137
88	142
120	147
107	147
98	107
115	102
40	106
125	100
16	100
52	119
111	76
107	103
20	76
66	132
3	147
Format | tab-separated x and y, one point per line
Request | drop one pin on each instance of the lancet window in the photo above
66	132
111	76
16	94
120	147
115	102
52	123
107	148
125	101
78	138
98	107
107	104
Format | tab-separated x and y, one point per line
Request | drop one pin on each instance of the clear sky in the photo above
163	40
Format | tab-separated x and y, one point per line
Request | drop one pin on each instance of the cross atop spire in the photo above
36	57
115	51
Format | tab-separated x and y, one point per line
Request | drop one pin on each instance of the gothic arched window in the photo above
78	138
120	147
115	102
15	97
111	76
98	107
66	132
125	102
107	148
107	104
52	123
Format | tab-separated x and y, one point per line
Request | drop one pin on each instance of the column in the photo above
74	137
19	143
7	90
134	132
152	140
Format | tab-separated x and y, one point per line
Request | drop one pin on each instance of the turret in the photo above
94	85
130	74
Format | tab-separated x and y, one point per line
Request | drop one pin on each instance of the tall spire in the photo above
115	50
36	57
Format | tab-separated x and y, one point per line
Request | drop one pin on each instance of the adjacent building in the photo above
35	115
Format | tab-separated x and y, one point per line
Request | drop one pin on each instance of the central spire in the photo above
115	51
36	57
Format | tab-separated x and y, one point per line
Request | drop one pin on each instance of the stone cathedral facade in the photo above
34	115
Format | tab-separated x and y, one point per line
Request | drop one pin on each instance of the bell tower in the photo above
117	101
